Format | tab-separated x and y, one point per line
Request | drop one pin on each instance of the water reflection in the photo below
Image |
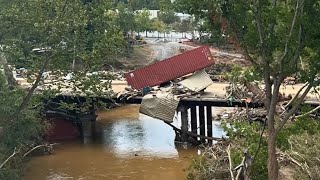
217	131
128	145
139	136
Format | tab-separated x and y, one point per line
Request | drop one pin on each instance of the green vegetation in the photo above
134	17
19	130
49	36
205	20
298	142
279	39
140	4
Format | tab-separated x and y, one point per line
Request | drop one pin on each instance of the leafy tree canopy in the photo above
140	4
41	36
279	38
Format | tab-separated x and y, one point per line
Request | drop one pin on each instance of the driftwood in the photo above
15	152
193	134
48	146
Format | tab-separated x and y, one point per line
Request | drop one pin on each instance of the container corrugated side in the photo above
170	68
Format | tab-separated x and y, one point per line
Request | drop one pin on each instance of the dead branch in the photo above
49	146
230	162
293	109
193	134
15	152
308	113
240	168
296	96
27	98
300	165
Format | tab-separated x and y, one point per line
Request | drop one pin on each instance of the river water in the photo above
127	145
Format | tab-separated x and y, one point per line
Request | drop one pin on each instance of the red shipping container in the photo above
170	68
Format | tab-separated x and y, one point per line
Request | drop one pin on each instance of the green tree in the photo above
169	17
158	26
276	36
125	19
184	26
205	16
44	36
167	13
143	22
139	4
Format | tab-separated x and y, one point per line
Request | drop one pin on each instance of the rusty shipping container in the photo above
170	68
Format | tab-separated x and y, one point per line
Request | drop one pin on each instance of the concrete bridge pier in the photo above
88	130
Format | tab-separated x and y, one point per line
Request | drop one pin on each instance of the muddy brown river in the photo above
127	145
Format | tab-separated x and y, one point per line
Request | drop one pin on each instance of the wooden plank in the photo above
202	121
184	123
193	112
209	123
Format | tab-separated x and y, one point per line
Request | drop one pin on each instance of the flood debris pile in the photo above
71	83
217	162
224	61
168	81
213	163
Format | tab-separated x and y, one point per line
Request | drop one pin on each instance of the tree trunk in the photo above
273	169
146	33
9	75
7	71
27	98
272	157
